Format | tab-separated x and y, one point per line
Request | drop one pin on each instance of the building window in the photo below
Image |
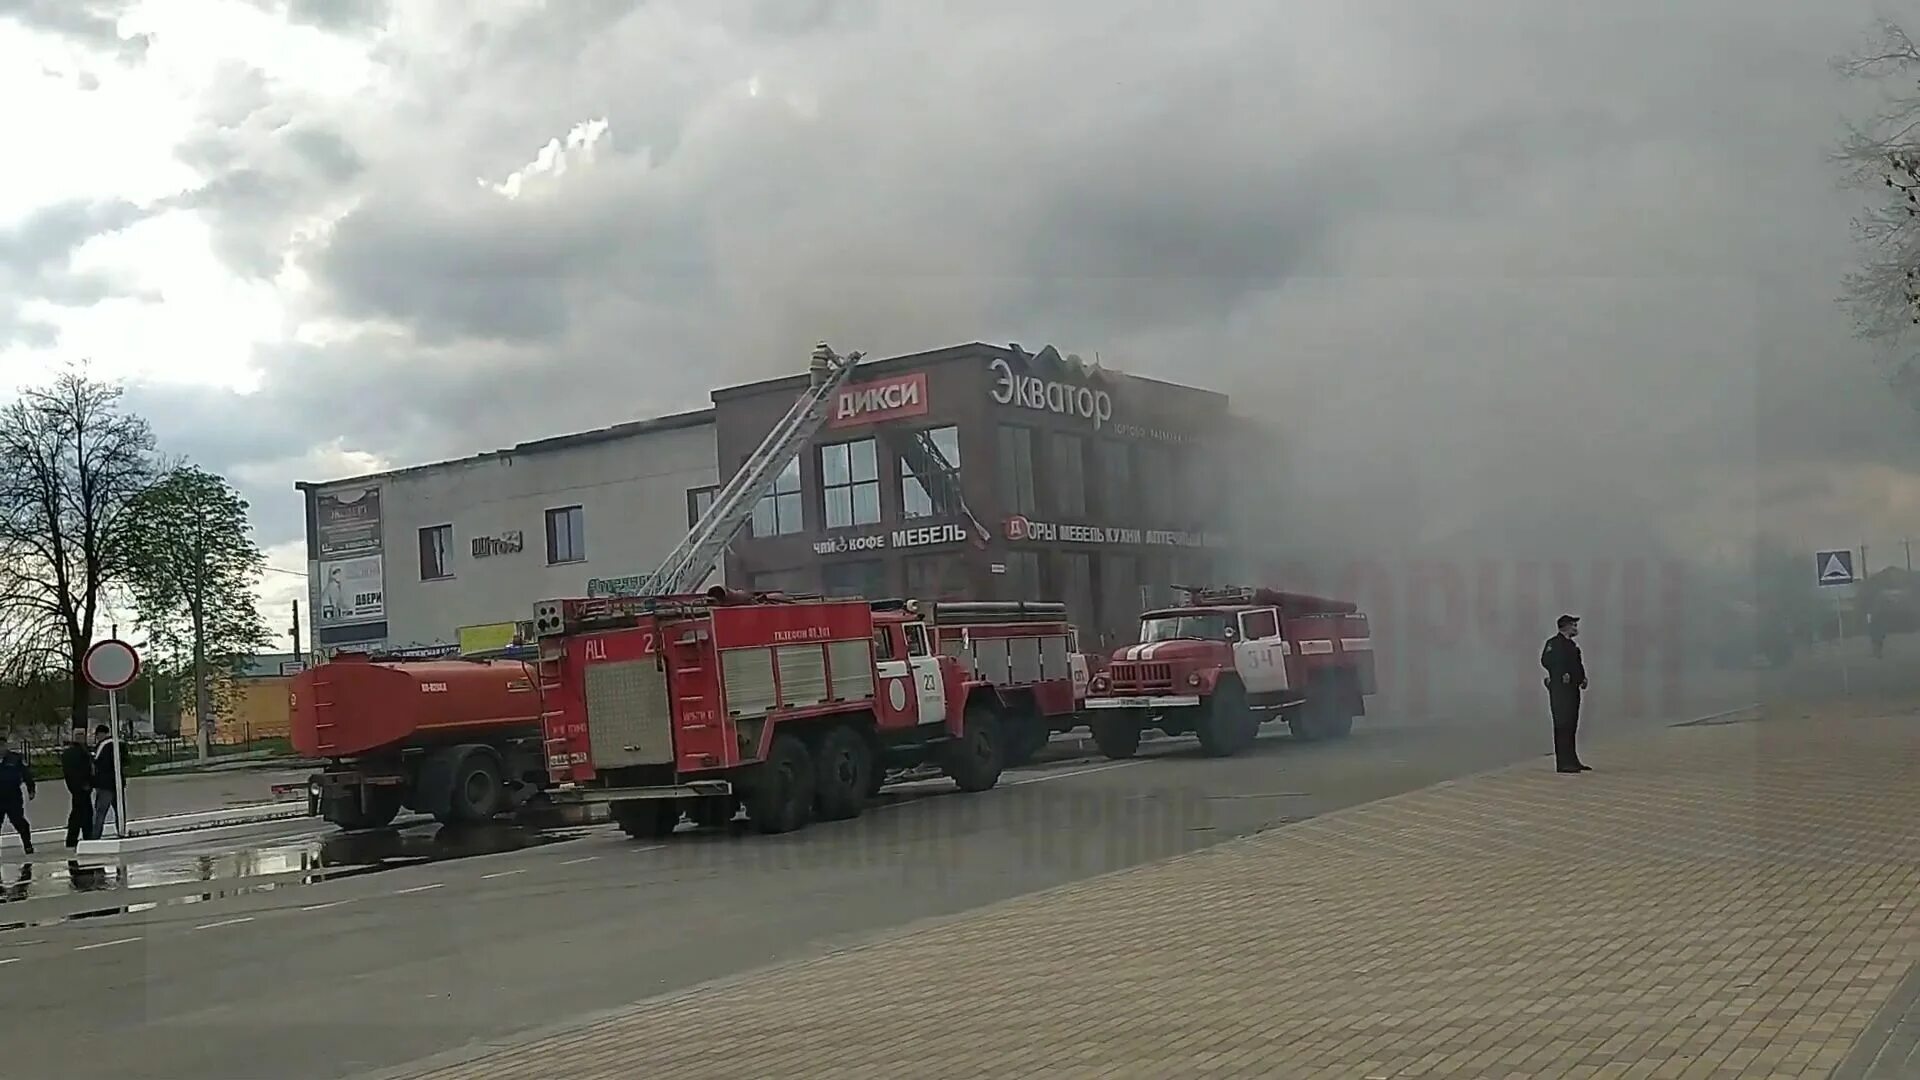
1016	469
1075	580
1116	479
1022	579
930	473
860	578
566	535
1150	481
1119	593
436	553
1069	474
778	512
936	577
699	501
850	483
787	581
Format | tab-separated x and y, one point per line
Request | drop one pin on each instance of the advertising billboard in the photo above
349	573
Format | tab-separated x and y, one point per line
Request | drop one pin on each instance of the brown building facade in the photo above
986	472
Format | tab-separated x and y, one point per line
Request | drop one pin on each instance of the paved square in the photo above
1715	901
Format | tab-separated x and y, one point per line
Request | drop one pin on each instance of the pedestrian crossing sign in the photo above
1833	567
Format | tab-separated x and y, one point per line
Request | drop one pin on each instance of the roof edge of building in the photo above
927	356
627	430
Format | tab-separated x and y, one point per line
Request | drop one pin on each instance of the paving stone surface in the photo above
1724	900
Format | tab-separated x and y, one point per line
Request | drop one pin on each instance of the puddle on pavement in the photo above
303	861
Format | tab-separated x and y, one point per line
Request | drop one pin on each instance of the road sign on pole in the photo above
112	665
1833	567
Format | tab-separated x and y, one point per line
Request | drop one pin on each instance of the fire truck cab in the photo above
1229	659
791	708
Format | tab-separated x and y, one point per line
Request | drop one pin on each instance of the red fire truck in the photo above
1227	660
792	708
1027	650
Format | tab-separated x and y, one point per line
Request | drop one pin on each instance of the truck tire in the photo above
780	798
646	819
975	759
476	791
1227	726
1117	735
842	772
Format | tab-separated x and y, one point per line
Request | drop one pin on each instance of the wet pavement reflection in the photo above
238	868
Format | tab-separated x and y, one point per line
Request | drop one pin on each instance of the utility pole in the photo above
1908	544
297	655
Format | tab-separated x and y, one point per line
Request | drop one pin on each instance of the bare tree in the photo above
72	464
1881	155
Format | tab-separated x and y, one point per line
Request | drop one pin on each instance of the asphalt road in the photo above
274	974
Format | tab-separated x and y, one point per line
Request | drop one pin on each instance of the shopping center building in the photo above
970	472
988	472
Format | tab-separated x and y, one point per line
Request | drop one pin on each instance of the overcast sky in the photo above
1529	257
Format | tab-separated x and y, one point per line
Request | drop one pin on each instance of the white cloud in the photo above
554	159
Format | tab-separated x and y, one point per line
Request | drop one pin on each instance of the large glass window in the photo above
1016	469
850	483
566	535
862	577
699	501
1151	481
436	553
1116	479
1076	586
1022	579
1069	453
778	512
1119	591
936	577
930	473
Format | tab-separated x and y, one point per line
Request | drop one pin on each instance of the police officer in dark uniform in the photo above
1566	678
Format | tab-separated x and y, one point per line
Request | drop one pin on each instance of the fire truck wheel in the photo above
781	796
975	759
646	819
477	791
843	771
1228	726
1118	736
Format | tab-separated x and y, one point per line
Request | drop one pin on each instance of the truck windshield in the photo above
1172	627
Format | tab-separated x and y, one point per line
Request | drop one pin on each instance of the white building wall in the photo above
632	490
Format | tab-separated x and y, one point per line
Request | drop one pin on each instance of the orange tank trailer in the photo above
458	739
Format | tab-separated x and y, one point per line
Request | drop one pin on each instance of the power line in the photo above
289	573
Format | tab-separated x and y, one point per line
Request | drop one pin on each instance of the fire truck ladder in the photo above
701	549
940	480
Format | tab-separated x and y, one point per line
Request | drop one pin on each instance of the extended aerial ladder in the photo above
686	568
928	465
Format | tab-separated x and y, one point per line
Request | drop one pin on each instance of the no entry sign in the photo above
111	664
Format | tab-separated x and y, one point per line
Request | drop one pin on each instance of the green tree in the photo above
72	463
195	568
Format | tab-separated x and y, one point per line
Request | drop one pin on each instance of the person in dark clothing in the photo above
106	787
1566	678
76	768
15	778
